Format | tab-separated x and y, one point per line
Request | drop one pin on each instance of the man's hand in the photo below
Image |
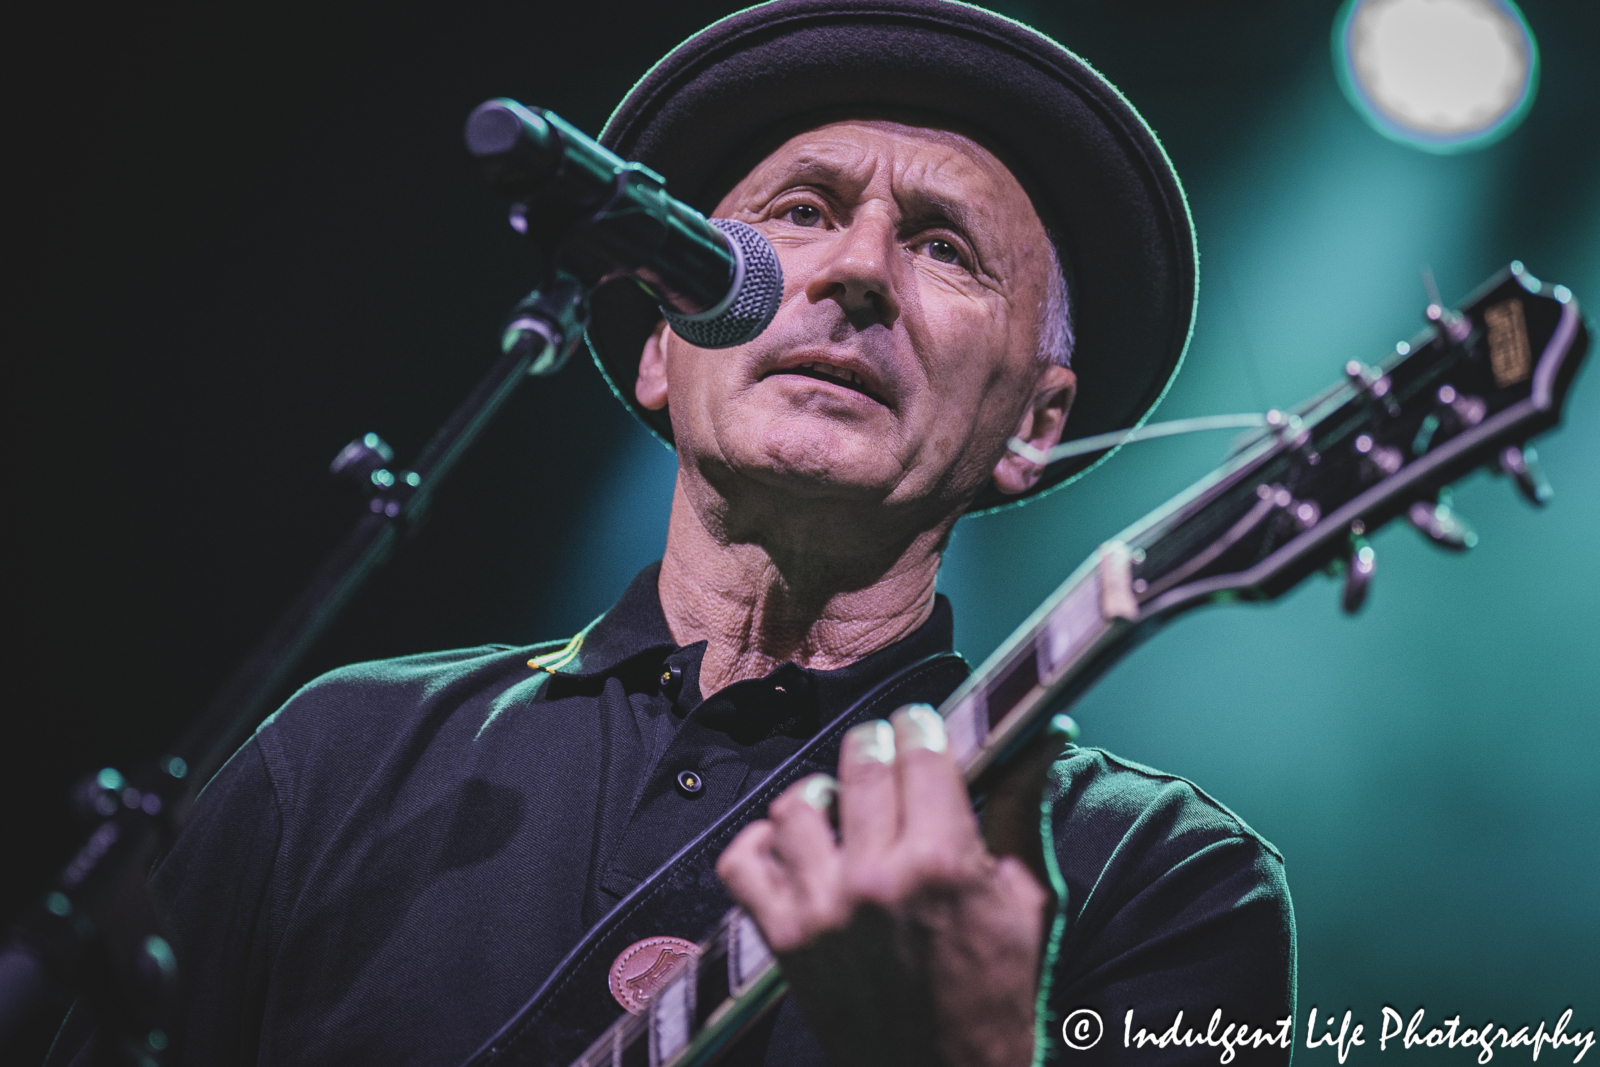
903	939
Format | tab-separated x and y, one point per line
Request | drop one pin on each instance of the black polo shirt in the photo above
400	856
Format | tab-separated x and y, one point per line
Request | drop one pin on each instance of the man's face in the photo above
905	349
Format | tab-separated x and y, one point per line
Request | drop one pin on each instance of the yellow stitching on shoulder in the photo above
551	662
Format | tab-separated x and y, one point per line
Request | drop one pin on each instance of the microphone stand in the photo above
591	216
95	932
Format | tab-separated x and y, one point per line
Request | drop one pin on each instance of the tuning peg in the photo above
1455	325
359	460
1470	410
1358	572
1373	382
97	796
1523	466
1441	524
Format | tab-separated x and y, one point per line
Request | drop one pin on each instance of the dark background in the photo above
241	236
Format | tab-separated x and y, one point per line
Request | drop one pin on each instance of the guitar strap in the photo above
684	898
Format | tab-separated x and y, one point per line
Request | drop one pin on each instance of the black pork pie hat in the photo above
716	104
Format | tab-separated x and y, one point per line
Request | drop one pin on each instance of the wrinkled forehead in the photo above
933	130
920	165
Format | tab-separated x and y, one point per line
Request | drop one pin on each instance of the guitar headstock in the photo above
1469	391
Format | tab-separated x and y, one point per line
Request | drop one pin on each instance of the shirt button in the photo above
690	784
671	676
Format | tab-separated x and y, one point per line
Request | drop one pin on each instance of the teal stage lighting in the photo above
1440	75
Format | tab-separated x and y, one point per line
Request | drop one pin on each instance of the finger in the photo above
752	873
804	848
761	885
869	804
933	795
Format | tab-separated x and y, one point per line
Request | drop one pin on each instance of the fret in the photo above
748	954
966	727
1115	572
1069	628
762	989
672	1020
733	980
1019	679
709	974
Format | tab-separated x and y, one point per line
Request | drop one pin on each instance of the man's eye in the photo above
803	215
943	251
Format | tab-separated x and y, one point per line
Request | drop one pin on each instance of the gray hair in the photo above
1055	316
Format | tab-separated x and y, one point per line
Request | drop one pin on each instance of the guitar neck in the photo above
1081	629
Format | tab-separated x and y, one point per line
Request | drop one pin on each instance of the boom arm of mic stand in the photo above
97	916
540	334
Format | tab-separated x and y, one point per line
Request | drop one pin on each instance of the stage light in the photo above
1442	75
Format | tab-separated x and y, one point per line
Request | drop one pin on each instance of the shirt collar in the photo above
636	626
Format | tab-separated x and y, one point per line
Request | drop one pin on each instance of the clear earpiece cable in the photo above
1103	442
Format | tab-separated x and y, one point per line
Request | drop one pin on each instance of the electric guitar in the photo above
1296	496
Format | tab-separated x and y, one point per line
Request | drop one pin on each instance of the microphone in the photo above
717	281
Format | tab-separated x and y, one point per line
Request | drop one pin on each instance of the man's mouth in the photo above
827	372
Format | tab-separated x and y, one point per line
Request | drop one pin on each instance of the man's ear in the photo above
1041	426
651	388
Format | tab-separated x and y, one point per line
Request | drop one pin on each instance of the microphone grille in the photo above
753	298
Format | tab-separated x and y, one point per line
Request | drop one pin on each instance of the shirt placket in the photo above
720	749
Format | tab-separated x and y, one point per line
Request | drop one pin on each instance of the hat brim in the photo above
1098	175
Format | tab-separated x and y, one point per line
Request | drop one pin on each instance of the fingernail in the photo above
871	742
819	791
926	727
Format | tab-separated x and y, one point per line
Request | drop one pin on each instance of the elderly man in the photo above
973	228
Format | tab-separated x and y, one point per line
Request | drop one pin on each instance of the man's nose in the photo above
858	272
